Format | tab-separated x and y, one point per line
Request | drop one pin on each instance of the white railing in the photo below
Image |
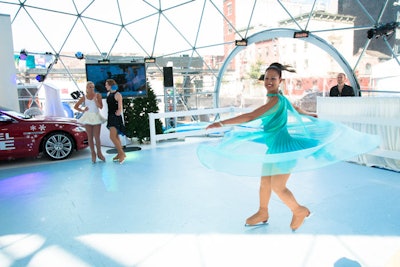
165	136
374	115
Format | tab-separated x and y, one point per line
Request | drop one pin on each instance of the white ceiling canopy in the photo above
173	28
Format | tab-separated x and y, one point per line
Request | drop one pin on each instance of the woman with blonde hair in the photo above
89	104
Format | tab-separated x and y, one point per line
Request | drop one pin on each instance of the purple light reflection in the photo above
21	184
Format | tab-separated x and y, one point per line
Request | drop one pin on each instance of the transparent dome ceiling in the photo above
143	28
363	32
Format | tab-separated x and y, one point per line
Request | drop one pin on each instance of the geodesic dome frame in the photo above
162	29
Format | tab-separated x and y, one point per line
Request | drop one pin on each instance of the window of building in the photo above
230	29
229	8
368	68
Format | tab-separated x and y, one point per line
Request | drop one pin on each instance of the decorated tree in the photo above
136	115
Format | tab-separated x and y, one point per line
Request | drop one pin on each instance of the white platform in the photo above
162	208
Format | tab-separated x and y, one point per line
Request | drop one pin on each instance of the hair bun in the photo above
282	67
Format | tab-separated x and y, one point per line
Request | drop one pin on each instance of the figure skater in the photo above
90	104
300	143
114	121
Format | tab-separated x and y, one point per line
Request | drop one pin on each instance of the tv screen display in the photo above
130	77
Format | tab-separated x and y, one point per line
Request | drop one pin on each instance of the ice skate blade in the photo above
257	224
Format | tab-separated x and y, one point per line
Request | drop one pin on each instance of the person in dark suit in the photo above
341	89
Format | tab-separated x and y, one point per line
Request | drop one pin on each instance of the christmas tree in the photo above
136	115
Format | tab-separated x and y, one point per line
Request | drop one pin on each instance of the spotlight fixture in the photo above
79	55
242	42
23	54
40	78
149	60
301	34
76	94
383	30
103	61
370	33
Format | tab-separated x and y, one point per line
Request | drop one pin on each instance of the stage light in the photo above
383	30
242	42
301	34
76	94
79	55
149	60
40	78
370	33
104	61
23	54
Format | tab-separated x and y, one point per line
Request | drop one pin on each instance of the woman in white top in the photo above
92	118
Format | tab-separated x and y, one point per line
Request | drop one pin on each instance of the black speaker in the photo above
168	77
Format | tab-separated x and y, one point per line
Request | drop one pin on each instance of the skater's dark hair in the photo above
279	68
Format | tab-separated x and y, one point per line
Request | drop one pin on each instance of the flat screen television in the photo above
130	77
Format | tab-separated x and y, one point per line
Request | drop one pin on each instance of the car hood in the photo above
54	119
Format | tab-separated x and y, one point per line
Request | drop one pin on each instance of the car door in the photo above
13	143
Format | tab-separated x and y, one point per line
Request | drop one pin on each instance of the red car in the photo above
23	136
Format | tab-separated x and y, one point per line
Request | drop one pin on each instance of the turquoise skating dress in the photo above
283	141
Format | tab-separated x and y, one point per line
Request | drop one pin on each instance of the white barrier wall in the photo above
8	86
374	115
154	137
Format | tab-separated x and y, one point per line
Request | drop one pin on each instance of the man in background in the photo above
341	89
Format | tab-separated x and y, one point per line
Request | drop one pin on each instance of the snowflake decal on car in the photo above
33	128
42	127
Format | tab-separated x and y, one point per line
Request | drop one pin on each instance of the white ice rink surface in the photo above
163	208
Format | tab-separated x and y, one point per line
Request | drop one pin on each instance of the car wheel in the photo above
58	146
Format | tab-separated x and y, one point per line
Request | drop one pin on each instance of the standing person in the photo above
341	89
300	143
114	121
90	104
